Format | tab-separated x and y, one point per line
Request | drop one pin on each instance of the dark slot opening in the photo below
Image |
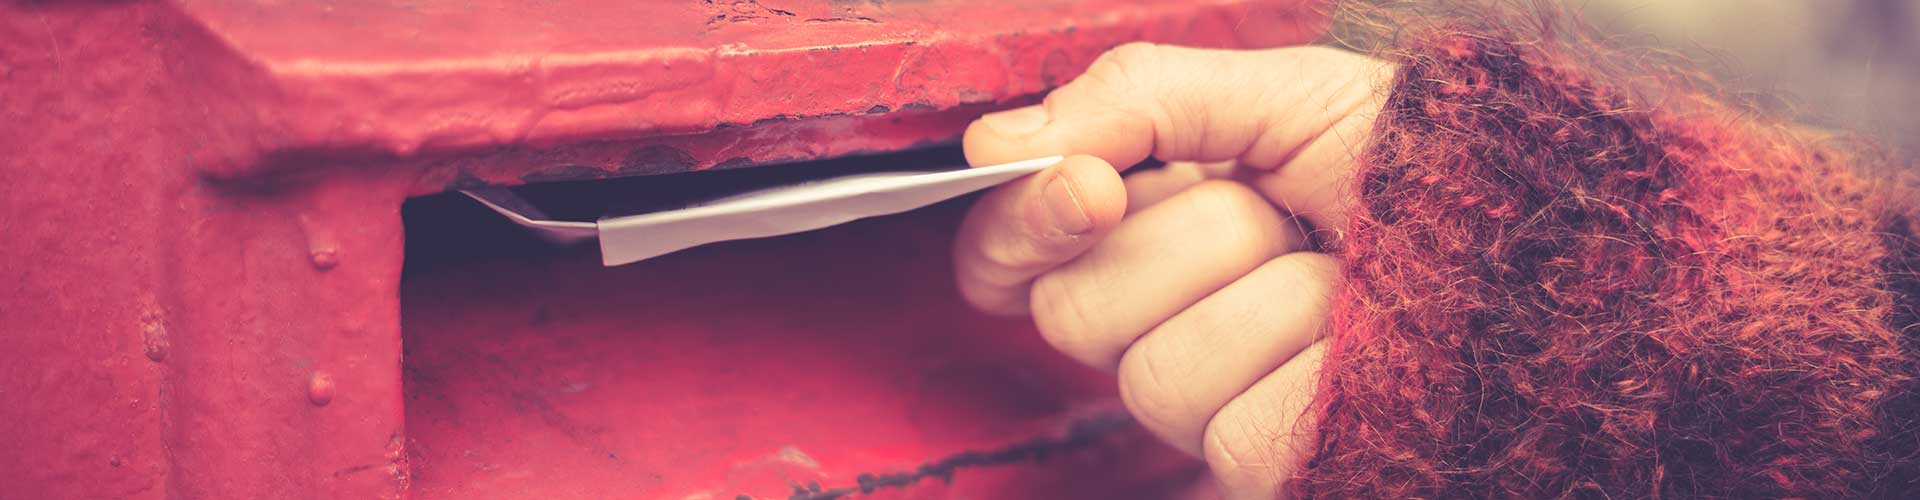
447	228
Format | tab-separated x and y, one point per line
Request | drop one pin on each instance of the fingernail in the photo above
1063	206
1016	122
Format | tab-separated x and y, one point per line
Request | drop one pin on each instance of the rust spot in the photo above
153	335
1082	433
657	159
563	173
462	179
734	162
353	469
850	19
397	465
772	119
1058	68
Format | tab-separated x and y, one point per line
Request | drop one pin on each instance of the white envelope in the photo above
774	211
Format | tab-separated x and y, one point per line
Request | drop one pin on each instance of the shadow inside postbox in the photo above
816	365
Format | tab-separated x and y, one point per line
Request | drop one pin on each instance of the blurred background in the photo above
1852	64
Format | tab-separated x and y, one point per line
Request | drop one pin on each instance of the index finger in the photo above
1262	108
1033	224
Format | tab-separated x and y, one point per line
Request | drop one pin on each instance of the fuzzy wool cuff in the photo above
1568	282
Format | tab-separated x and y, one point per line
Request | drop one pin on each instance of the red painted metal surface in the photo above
201	206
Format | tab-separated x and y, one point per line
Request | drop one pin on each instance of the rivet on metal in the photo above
324	258
320	388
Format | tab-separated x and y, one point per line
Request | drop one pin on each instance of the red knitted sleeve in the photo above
1566	282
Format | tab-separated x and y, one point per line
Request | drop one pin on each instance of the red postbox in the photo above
208	288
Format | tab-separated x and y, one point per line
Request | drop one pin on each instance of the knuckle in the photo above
1128	56
1061	317
1116	76
1317	57
1151	392
1315	272
985	275
1231	200
1236	450
1315	52
1148	92
982	296
1258	445
1239	214
1002	259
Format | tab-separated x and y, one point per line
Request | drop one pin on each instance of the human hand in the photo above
1192	282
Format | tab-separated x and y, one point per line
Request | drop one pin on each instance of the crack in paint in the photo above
1081	434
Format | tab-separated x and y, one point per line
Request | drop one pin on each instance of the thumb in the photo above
1264	108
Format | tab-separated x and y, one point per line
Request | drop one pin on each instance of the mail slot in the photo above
243	267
